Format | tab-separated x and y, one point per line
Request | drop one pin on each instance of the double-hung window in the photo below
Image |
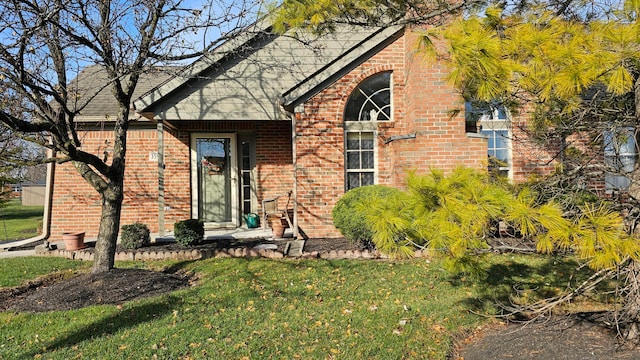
620	157
367	105
492	122
360	159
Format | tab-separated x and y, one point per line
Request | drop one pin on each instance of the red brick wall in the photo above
530	159
422	104
177	178
76	205
274	159
433	112
586	150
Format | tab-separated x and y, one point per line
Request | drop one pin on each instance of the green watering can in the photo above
252	220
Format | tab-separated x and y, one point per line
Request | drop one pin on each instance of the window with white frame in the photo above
360	159
620	157
492	121
368	104
498	147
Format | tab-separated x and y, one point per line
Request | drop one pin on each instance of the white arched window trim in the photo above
360	134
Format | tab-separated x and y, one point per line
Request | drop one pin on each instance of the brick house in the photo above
265	114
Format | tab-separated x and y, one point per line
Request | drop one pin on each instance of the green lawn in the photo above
16	271
19	222
265	309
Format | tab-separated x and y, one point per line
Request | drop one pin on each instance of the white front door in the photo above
214	179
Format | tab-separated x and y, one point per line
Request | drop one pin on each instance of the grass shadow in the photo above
127	318
524	279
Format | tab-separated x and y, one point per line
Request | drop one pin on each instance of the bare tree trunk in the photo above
631	291
631	311
112	198
636	97
104	256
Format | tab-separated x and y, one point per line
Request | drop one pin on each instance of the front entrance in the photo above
214	179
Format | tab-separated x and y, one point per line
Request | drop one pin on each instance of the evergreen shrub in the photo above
349	214
134	236
189	232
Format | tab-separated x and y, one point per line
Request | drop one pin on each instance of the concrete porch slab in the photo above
241	233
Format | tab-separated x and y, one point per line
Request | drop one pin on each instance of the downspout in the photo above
292	116
46	216
48	197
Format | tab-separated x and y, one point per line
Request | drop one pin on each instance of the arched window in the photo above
371	100
368	103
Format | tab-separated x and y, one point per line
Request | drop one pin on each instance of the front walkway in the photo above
17	253
293	248
241	233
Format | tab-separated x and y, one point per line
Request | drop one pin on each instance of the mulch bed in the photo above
114	287
65	292
571	337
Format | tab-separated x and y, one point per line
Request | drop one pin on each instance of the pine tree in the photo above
571	63
572	73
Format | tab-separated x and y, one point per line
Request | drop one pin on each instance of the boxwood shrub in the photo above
134	236
349	217
189	232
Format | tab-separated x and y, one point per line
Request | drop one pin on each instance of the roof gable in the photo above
249	78
334	70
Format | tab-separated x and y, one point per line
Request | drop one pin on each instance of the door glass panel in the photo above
246	177
214	180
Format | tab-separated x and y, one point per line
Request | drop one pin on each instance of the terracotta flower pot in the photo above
73	241
277	226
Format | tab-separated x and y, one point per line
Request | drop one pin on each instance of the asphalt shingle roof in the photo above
94	97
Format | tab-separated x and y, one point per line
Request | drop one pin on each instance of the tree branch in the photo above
98	183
